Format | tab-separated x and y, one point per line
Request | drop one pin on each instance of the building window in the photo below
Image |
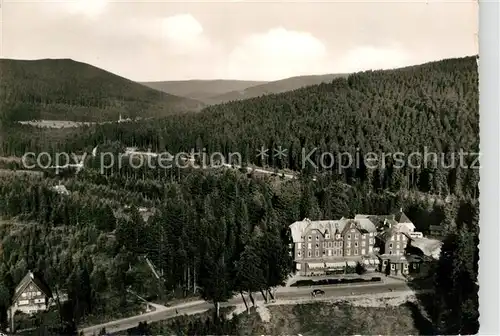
397	246
390	252
397	252
327	235
317	245
371	240
38	293
356	236
363	251
393	267
341	243
403	238
298	253
299	245
329	244
348	244
348	236
414	266
309	238
392	238
309	253
23	295
355	244
309	246
355	251
370	249
364	236
324	252
390	245
363	243
371	234
329	253
324	244
406	266
348	252
352	230
317	237
337	236
384	262
317	253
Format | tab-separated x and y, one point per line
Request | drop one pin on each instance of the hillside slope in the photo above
201	90
278	86
64	89
431	107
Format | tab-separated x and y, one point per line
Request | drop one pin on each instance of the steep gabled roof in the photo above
299	228
401	217
30	277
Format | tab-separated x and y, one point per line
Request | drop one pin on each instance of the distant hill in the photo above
279	86
64	89
201	90
222	91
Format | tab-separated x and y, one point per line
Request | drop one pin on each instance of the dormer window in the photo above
337	236
327	235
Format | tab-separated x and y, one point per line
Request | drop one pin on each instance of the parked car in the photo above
317	292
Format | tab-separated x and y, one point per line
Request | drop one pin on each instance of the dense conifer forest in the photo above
218	232
63	89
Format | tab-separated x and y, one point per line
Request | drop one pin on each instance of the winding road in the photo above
284	293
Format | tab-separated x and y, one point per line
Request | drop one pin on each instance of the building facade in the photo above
31	295
336	246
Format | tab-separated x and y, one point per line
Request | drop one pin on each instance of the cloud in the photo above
183	34
276	54
373	58
89	8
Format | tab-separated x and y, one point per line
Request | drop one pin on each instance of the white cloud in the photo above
276	54
88	8
373	58
183	34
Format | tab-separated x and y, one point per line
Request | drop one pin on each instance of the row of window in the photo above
393	266
338	244
339	236
336	252
398	236
30	294
397	246
27	302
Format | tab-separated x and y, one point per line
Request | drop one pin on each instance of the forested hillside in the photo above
63	89
432	108
274	87
223	232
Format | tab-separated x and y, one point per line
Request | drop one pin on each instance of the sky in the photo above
247	40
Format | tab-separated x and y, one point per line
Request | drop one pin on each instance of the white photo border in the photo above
489	107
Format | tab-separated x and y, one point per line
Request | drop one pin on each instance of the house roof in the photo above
430	247
299	228
30	277
401	217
